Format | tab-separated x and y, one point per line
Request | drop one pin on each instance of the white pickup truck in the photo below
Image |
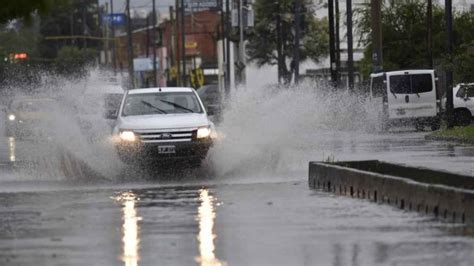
162	125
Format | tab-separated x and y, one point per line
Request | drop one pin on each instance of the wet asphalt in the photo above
258	213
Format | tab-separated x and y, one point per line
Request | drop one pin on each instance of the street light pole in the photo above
296	51
376	36
227	45
337	44
153	39
429	20
332	54
130	47
449	72
241	44
350	51
278	39
183	44
112	31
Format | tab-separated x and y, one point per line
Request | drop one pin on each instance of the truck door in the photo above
411	96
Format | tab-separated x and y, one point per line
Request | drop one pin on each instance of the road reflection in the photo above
206	216
12	149
130	228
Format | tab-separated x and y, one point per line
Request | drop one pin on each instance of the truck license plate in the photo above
167	149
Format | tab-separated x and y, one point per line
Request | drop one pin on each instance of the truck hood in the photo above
164	121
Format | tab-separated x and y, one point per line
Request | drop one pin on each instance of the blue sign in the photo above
118	19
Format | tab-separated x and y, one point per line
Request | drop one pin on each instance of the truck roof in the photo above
160	89
403	72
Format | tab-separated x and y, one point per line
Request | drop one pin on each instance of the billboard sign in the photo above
201	4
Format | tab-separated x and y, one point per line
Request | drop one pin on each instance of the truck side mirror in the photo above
210	110
111	114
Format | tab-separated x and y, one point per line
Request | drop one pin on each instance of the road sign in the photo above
248	17
144	64
190	45
118	19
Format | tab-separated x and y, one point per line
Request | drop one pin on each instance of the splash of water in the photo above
76	126
270	129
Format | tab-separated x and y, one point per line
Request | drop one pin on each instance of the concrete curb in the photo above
447	197
446	138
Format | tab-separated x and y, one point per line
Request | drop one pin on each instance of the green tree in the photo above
262	46
72	61
404	38
24	8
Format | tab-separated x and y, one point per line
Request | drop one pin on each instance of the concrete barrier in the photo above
76	170
445	195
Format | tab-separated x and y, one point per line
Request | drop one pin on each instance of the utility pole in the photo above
376	36
221	6
183	44
429	20
172	42
106	34
338	46
227	40
296	53
112	31
153	38
130	47
242	78
84	23
332	54
147	37
350	51
449	72
178	50
279	50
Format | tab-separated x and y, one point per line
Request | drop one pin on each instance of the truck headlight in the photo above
203	132
11	117
127	136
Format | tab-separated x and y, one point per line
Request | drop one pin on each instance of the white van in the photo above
407	97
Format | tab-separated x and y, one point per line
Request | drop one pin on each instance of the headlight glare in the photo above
11	117
127	136
203	132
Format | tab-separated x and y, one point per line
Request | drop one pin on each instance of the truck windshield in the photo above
378	86
161	103
411	84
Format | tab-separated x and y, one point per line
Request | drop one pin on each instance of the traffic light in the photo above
16	57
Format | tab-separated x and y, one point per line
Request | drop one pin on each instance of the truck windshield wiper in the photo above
153	107
177	106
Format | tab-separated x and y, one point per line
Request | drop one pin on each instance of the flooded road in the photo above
246	216
67	201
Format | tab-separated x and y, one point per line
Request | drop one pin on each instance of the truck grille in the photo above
165	136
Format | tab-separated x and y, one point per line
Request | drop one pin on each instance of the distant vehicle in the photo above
28	116
97	104
211	97
463	103
406	97
163	125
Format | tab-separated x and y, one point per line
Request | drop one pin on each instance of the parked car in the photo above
28	116
162	125
463	103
